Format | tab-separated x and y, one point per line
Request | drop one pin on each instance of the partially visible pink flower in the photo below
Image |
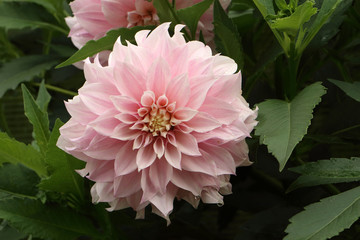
93	18
164	119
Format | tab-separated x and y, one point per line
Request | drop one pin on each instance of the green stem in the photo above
3	122
291	85
48	38
346	129
271	181
57	89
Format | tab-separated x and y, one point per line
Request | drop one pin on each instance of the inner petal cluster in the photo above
156	114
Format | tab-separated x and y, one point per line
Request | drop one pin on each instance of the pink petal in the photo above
178	90
187	144
173	156
226	87
160	174
159	148
125	160
198	164
203	122
164	202
199	89
102	192
183	115
127	185
125	104
106	123
127	118
78	110
124	133
212	196
102	171
145	157
130	81
116	11
158	76
220	110
223	159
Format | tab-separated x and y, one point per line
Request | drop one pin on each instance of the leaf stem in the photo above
291	85
345	129
273	182
57	89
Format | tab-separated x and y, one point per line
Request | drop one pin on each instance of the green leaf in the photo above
281	4
9	233
326	218
23	69
18	181
43	97
282	125
227	38
37	118
292	24
106	43
164	11
19	16
12	151
266	7
32	217
53	6
63	177
191	15
351	89
335	170
327	9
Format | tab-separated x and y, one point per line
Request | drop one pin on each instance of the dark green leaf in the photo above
335	170
106	43
9	233
282	125
18	181
22	70
37	118
63	177
326	218
12	151
351	89
227	38
327	9
53	6
43	97
191	15
19	16
32	217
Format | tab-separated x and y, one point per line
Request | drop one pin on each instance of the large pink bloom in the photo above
164	119
93	18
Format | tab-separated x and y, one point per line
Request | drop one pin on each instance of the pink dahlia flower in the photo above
164	119
93	18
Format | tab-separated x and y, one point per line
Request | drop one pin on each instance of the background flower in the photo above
164	119
93	18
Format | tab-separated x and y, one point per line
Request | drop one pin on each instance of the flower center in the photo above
157	115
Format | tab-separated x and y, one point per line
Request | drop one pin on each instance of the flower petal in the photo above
187	144
127	185
173	156
145	157
125	160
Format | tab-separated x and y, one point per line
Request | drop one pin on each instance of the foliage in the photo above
305	147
